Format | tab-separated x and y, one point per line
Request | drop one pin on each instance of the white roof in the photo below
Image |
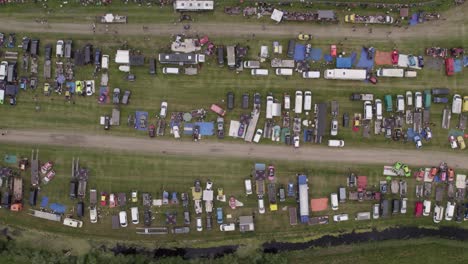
403	62
207	195
276	109
233	128
194	5
461	181
277	15
109	18
304	199
122	57
45	215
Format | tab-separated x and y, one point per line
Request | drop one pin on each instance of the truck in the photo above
345	74
82	188
47	69
17	201
303	198
377	19
92	197
390	72
260	188
279	63
272	197
231	57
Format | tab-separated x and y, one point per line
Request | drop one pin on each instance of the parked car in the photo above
296	141
126	97
163	111
461	142
409	98
417	141
271	173
245	101
440	100
89	88
438	214
395	56
258	135
334	127
340	218
199	224
453	142
116	96
333	50
411	60
421	61
230	100
196	133
440	91
103	199
220	127
345	120
376	211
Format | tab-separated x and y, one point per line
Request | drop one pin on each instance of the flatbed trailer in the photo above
252	126
292	215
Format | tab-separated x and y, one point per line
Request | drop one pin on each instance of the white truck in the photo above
345	74
279	63
390	72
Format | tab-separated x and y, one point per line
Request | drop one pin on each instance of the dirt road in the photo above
452	25
236	150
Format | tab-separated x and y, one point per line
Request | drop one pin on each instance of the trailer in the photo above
252	126
303	198
260	188
390	72
17	190
279	63
377	19
35	168
292	215
334	108
272	197
92	197
112	19
417	122
462	122
345	74
446	116
47	69
231	56
388	171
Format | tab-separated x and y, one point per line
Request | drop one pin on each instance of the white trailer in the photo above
390	72
460	181
231	57
345	74
303	198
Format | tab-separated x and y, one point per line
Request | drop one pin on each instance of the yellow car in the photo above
461	142
465	103
78	87
304	37
46	89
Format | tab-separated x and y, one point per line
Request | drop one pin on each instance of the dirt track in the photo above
453	25
237	150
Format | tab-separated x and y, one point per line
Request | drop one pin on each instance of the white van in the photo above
261	206
284	72
123	218
105	62
298	103
93	214
404	205
335	143
409	98
199	224
307	100
72	222
426	207
400	103
263	72
376	211
456	104
450	211
227	227
175	131
367	110
334	201
59	48
438	214
418	100
269	107
287	102
248	186
258	135
378	109
169	70
251	64
134	211
3	70
311	75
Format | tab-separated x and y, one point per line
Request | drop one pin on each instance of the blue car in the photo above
440	100
411	60
291	192
421	61
219	215
417	141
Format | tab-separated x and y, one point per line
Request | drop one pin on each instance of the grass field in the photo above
185	93
123	172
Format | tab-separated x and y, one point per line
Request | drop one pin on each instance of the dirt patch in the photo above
353	237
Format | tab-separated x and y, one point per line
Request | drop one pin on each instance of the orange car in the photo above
333	50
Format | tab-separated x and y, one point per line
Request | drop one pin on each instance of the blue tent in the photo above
458	65
58	208
44	201
299	52
315	54
206	128
344	62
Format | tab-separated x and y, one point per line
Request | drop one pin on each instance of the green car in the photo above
397	166
406	170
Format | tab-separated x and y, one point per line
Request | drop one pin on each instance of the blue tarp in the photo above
465	61
71	87
328	58
58	208
137	120
315	54
458	65
299	52
414	20
364	62
206	128
344	62
44	201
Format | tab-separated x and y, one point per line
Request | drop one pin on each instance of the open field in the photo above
124	171
185	93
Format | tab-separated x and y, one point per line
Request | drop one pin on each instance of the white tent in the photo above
109	18
277	15
122	57
276	109
461	181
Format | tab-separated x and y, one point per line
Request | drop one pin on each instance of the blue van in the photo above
219	215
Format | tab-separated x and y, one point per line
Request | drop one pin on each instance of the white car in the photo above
296	141
93	214
3	70
376	211
287	102
89	88
409	98
378	109
209	185
334	127
340	218
59	48
426	207
261	206
258	135
175	131
438	213
123	218
105	62
163	111
199	224
403	206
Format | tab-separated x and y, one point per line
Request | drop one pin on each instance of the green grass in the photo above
124	171
185	93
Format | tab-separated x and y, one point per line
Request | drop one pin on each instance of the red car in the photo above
418	209
449	66
103	199
333	50
152	130
395	56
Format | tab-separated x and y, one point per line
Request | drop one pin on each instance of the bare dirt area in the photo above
452	24
235	150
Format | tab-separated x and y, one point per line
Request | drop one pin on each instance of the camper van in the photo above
418	100
378	109
248	186
334	201
231	57
261	72
298	103
72	222
307	100
261	206
105	62
335	143
227	227
59	48
450	211
169	70
426	207
342	192
400	103
456	104
311	75
291	48
123	218
269	107
134	211
251	64
284	72
363	216
367	110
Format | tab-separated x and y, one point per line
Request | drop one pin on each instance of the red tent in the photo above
362	183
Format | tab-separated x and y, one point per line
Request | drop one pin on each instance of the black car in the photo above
106	122
152	66
147	217
309	134
245	101
126	97
230	100
88	51
34	47
355	97
131	77
257	99
397	134
97	57
80	209
33	197
26	43
73	188
209	221
440	91
440	100
421	61
220	50
196	133
48	52
370	53
345	120
460	213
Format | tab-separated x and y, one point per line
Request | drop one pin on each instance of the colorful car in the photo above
395	57
78	87
304	37
397	166
103	199
333	51
46	167
453	142
112	202
406	170
271	173
461	142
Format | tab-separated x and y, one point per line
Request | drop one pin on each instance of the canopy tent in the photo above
122	57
